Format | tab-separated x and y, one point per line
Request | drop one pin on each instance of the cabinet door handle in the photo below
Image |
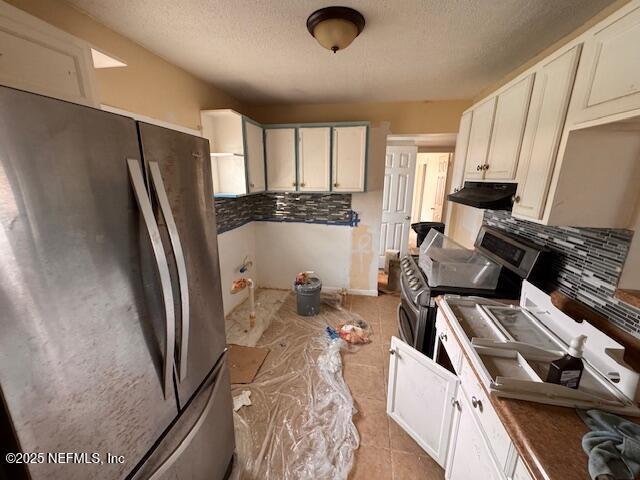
455	403
303	184
335	184
251	185
392	351
476	403
443	337
477	168
293	184
516	199
486	166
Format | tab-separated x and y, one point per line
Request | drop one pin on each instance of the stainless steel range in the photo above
499	260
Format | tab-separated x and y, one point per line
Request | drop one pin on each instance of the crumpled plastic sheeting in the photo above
300	424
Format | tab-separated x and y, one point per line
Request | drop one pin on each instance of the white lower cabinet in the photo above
420	398
470	456
520	471
449	416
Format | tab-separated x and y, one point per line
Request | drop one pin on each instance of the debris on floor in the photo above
355	332
244	362
242	400
267	303
300	423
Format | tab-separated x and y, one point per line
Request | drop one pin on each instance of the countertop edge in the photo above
520	440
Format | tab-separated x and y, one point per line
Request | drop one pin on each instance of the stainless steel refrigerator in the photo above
111	322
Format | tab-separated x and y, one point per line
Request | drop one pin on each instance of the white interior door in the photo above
420	398
399	172
434	187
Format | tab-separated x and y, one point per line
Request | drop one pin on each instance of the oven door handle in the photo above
409	302
403	335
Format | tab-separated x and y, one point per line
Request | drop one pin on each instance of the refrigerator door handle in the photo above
137	181
188	438
176	245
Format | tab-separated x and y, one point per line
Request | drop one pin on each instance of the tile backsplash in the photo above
585	263
332	209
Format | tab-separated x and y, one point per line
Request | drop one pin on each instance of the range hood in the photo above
489	195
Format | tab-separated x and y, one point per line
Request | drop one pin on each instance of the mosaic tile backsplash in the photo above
585	263
332	209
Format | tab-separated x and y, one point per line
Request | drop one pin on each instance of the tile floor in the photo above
386	452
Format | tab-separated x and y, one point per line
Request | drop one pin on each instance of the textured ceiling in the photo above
260	51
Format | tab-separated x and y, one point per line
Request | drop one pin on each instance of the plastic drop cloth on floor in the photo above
299	425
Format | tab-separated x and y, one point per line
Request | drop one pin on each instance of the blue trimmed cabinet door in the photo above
314	159
349	158
255	157
280	147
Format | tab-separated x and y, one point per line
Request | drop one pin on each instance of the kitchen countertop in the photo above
547	437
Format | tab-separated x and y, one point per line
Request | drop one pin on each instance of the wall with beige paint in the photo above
386	118
149	85
403	117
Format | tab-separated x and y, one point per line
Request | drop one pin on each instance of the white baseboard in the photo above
364	293
351	291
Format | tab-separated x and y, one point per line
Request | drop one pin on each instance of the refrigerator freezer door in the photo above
200	444
80	361
184	168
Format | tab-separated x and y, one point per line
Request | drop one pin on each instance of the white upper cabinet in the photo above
545	124
462	144
420	398
508	128
608	80
314	159
237	152
254	141
223	129
349	158
280	147
40	58
229	175
479	138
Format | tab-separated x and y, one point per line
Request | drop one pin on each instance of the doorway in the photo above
429	189
415	186
397	199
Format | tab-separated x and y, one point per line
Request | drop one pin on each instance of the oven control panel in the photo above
413	282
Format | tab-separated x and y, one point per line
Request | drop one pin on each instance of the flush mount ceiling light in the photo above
335	27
